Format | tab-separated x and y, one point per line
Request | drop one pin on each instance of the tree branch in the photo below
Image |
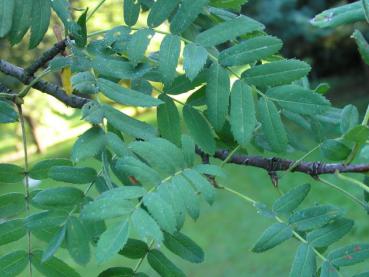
43	86
47	56
278	164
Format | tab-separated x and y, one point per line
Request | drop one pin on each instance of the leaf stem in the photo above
26	180
230	155
27	88
95	9
353	181
139	263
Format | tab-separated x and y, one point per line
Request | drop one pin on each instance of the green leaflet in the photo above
315	217
184	247
358	134
61	8
344	14
12	204
168	57
217	96
77	242
119	271
298	99
74	175
117	145
53	267
195	57
89	144
228	4
59	197
188	149
160	11
128	125
182	84
304	263
84	82
7	113
140	170
146	226
199	129
21	20
350	254
111	241
6	16
328	270
12	230
291	200
273	236
272	125
10	173
365	5
276	73
92	112
335	150
201	184
45	220
189	197
168	120
250	51
107	207
41	12
40	170
123	193
228	30
362	44
54	244
349	118
186	14
138	44
210	169
13	263
131	11
330	233
126	96
161	211
243	114
134	249
163	265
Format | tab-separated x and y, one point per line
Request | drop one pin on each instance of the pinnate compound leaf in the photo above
160	11
146	226
304	264
186	14
111	241
89	144
228	30
243	114
184	247
7	113
41	13
250	51
162	265
168	57
349	255
10	173
276	73
195	57
273	236
199	129
54	267
330	233
299	100
291	200
74	175
314	217
168	120
128	125
13	263
134	249
272	125
217	95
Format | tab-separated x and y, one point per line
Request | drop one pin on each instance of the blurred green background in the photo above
227	230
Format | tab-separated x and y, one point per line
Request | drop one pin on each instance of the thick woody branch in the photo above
43	86
47	56
278	164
